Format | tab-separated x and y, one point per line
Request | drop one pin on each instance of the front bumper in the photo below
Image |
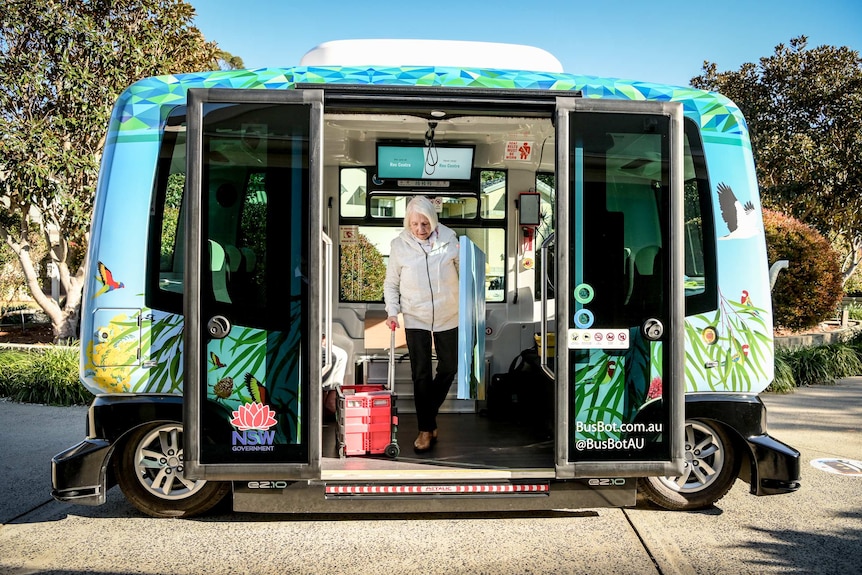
80	473
776	466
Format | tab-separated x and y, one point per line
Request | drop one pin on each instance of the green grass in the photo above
48	376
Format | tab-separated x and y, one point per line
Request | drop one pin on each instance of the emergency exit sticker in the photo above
519	150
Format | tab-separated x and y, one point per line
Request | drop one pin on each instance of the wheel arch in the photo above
766	464
114	418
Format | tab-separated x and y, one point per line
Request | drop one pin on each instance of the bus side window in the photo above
166	241
701	292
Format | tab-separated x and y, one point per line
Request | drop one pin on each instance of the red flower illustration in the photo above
654	388
253	416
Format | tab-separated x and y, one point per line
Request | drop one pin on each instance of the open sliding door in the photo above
619	258
255	280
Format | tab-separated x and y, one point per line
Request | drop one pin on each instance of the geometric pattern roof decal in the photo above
147	101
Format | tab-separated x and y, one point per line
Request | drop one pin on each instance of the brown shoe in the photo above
434	436
423	442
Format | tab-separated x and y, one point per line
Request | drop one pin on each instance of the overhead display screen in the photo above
421	162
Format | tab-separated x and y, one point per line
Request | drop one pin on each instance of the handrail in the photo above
543	321
327	306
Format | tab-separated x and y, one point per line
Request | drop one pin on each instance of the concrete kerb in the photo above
821	338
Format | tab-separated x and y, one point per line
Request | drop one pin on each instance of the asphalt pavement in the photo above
818	529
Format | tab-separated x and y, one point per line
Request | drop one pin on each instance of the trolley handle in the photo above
390	376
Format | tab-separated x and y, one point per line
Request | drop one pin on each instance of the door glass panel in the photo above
618	277
256	227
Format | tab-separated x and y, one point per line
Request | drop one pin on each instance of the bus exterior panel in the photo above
150	243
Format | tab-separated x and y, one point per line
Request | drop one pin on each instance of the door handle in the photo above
218	327
652	329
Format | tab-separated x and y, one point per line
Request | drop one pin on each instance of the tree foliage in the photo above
804	111
362	271
810	290
62	65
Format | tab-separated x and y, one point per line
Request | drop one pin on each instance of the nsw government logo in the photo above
251	423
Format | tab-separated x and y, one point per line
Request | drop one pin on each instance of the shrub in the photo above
48	376
809	291
784	381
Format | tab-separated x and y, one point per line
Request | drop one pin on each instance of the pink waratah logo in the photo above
654	388
253	416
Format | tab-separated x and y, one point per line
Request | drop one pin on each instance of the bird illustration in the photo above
745	299
740	218
739	356
743	355
217	363
106	278
255	389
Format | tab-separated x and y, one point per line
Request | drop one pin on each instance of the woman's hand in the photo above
392	322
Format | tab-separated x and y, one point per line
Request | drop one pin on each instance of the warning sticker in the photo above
348	235
839	466
519	150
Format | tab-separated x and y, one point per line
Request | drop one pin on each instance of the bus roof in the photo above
455	53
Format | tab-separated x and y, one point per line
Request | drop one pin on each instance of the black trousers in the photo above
429	391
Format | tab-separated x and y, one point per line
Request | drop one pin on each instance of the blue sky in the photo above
663	41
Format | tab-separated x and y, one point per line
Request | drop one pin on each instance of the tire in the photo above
710	470
149	473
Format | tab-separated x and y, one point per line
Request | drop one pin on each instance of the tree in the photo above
804	111
362	271
62	65
810	293
227	61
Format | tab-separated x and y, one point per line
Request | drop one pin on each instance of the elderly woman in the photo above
422	284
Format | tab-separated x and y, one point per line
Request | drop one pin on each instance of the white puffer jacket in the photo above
423	285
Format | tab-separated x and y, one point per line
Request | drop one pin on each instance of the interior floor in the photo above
466	441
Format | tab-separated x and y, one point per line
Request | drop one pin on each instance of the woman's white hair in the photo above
422	206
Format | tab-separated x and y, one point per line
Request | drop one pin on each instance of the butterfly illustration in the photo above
255	389
106	278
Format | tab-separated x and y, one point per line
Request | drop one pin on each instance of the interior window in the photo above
493	194
369	223
353	190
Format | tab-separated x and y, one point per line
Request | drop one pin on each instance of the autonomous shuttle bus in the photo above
616	325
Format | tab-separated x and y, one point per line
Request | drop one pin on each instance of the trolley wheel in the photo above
392	450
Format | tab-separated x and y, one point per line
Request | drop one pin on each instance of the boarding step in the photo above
435	490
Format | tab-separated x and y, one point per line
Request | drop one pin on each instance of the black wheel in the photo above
711	468
150	473
392	450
